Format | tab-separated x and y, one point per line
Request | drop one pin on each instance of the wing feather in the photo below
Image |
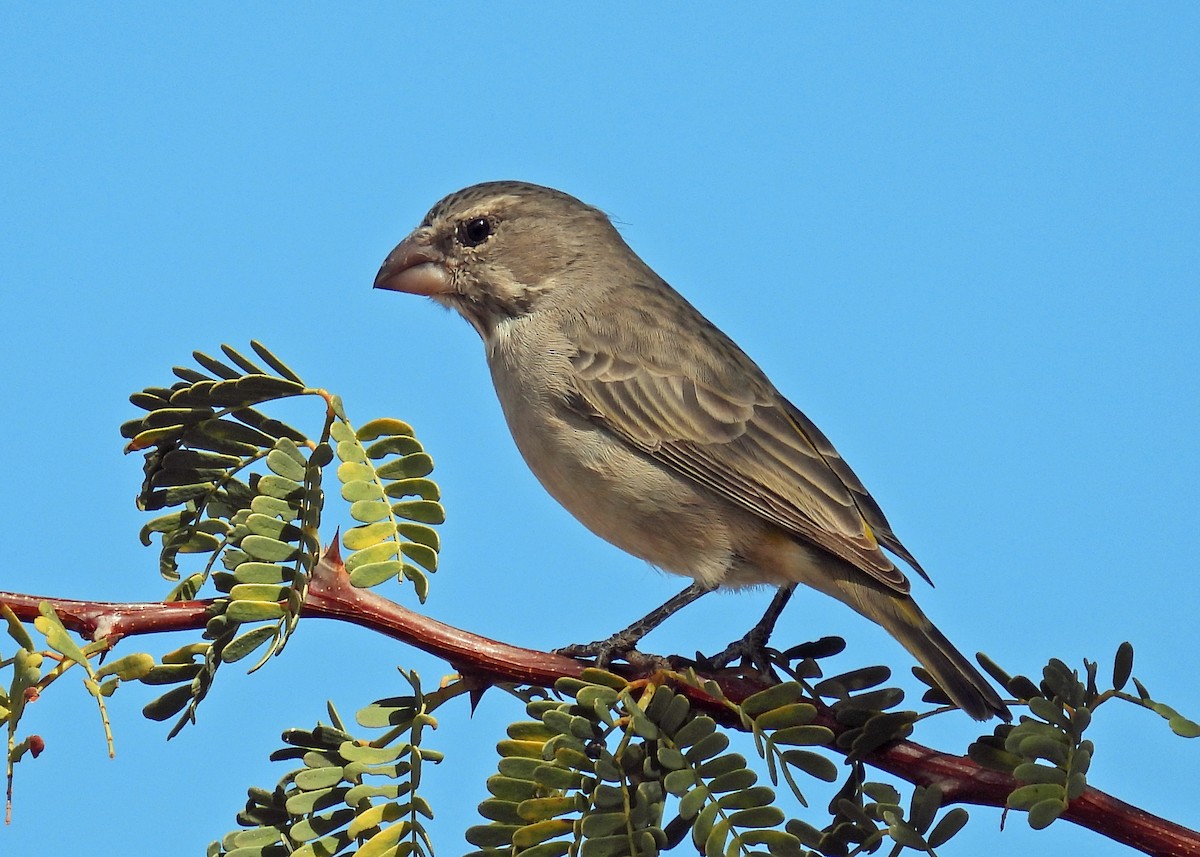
744	442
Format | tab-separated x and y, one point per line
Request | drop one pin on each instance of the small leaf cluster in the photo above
201	436
391	539
781	722
595	774
861	704
352	796
246	493
560	787
203	439
1045	750
864	813
34	668
857	700
245	489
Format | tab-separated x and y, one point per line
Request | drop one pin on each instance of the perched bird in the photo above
651	426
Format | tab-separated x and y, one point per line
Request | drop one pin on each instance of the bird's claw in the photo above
616	647
751	651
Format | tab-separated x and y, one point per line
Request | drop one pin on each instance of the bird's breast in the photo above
618	493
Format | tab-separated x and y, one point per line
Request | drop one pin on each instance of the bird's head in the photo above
494	251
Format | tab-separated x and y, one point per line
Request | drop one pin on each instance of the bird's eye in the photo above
473	232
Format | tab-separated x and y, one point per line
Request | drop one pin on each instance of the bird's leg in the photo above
751	648
623	643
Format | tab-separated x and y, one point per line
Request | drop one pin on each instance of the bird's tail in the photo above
962	682
893	609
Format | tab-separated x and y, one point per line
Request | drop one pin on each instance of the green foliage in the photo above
1045	750
351	795
394	465
246	495
35	666
595	774
864	813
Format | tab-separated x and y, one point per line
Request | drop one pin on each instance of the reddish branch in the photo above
332	597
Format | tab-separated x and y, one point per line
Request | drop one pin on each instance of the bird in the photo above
653	428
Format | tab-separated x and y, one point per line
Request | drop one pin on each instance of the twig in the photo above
487	661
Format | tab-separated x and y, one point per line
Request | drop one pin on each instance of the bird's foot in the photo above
623	644
752	649
619	646
751	653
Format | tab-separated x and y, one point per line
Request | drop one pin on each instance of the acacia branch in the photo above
487	661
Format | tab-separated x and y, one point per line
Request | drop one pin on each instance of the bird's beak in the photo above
415	267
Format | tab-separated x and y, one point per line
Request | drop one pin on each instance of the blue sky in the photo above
962	239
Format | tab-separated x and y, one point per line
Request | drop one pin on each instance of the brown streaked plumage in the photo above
650	425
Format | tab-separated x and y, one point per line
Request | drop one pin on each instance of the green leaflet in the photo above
707	747
320	824
355	471
171	673
1032	772
813	764
419	581
286	465
397	445
734	781
759	816
272	361
803	735
273	506
420	534
246	643
1043	813
383	813
544	808
412	466
253	611
376	553
368	755
773	698
128	668
548	849
281	488
788	715
305	802
58	638
366	575
318	778
747	798
261	572
361	537
694	730
271	527
351	450
381	427
424	556
369	511
169	704
723	764
268	549
778	842
423	511
491	835
426	489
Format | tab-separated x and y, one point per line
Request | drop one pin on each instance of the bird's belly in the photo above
619	494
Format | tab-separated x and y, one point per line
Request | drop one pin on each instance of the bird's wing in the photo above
721	423
867	506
